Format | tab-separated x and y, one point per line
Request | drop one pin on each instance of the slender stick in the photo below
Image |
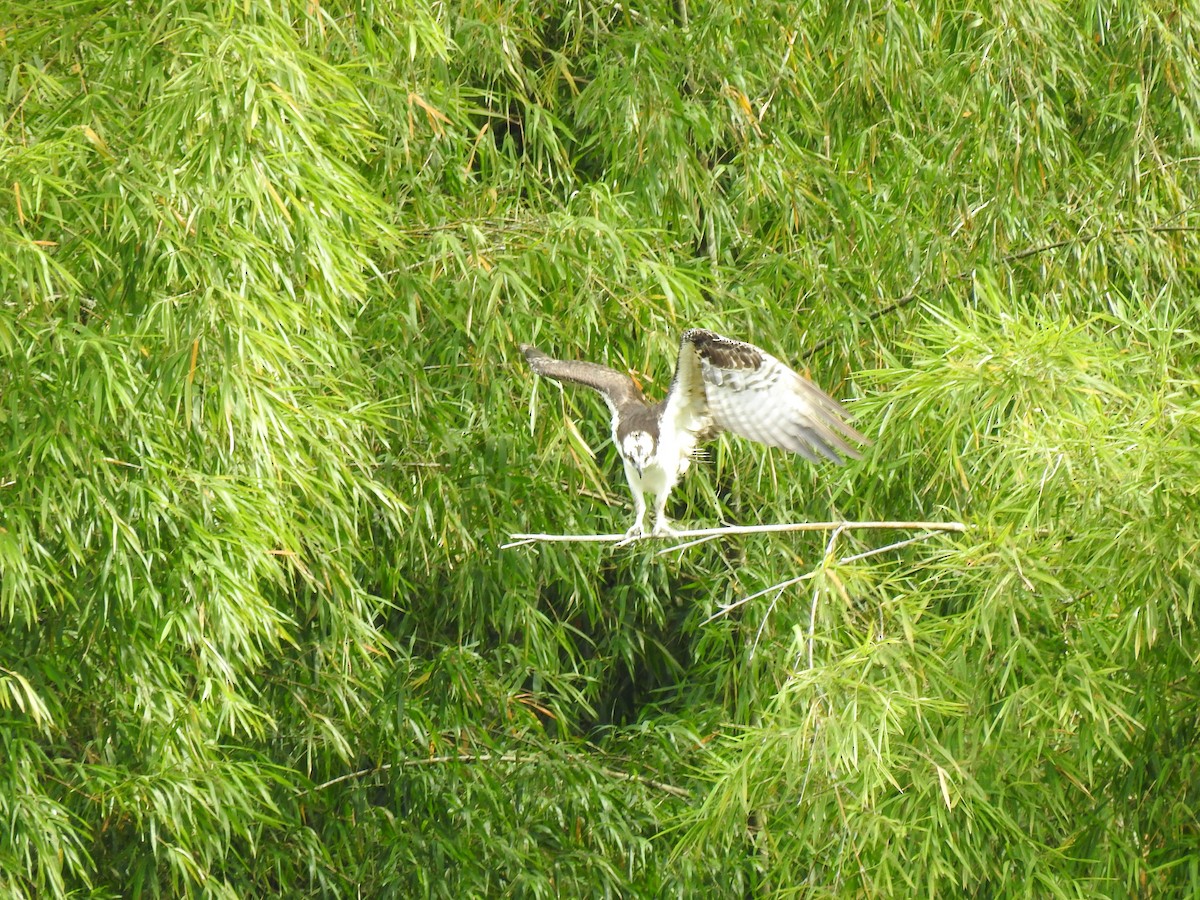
807	576
498	758
520	540
1011	257
783	585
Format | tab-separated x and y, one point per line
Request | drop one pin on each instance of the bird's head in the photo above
639	448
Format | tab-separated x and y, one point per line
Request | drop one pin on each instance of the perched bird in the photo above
720	385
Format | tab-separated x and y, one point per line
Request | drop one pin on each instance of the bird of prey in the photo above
720	385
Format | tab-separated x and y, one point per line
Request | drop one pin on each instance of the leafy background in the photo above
264	427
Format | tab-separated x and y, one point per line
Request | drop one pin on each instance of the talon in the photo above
635	531
662	528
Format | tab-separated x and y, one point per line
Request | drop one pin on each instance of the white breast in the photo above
655	479
675	447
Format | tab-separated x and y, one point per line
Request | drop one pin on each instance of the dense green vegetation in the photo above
264	267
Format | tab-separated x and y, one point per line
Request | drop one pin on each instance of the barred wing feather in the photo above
753	394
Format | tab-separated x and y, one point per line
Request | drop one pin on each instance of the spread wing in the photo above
743	389
617	388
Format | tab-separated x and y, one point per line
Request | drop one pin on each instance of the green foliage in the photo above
264	426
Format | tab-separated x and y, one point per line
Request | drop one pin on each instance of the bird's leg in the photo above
662	525
636	530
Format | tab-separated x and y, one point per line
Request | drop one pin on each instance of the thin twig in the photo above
1011	257
808	576
649	782
502	758
812	613
791	44
896	546
812	623
763	624
520	540
688	544
730	607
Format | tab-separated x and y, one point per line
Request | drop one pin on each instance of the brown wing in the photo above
617	388
751	393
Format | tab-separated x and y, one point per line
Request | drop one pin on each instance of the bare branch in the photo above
649	782
1080	239
521	540
825	563
500	758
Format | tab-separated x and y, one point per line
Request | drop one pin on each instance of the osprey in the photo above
719	384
